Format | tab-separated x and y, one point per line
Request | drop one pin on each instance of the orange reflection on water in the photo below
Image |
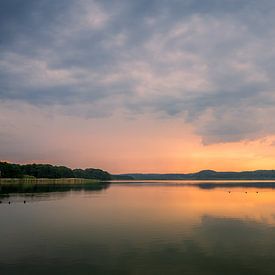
175	203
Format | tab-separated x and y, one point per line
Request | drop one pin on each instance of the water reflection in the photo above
205	184
142	229
36	192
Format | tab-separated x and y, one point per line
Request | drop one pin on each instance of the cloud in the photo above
210	62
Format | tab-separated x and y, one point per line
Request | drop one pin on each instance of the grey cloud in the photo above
211	62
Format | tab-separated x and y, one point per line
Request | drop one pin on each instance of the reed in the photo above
46	181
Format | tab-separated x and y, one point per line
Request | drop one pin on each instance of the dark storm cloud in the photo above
211	61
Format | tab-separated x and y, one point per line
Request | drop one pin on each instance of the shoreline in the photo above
41	181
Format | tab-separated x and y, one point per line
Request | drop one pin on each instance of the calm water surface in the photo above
139	228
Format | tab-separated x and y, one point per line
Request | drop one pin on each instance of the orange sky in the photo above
138	144
190	87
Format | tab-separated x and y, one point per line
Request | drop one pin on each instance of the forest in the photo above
11	170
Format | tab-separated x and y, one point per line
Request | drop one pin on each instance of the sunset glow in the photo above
137	86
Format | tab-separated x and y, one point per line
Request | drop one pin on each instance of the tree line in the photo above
11	170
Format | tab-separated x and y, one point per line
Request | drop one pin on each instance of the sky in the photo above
138	86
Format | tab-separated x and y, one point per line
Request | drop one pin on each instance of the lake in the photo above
139	228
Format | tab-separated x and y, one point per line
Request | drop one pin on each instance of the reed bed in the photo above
46	181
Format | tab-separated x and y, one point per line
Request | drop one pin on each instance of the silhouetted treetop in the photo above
10	170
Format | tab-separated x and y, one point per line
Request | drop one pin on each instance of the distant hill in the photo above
122	177
11	170
207	175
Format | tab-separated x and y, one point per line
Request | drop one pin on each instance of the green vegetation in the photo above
91	173
30	171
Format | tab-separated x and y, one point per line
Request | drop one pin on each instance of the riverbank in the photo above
41	181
